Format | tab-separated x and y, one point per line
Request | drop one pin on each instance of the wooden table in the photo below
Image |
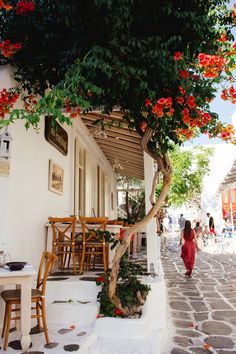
22	278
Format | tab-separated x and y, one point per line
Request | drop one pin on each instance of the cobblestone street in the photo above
203	308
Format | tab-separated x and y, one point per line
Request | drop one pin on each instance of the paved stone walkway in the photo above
203	308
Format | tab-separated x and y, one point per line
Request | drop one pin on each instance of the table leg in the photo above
18	286
25	314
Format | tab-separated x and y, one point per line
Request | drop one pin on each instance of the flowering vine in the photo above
5	5
186	103
8	48
24	7
7	100
194	115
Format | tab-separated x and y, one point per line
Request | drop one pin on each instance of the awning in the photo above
120	145
229	181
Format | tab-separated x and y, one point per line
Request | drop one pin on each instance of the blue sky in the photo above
224	109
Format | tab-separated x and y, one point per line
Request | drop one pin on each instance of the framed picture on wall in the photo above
56	178
5	168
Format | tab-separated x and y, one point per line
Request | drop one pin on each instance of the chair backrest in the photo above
63	229
91	227
45	267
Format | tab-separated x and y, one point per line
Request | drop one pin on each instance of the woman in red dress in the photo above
188	248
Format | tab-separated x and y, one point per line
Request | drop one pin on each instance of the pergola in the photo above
122	148
120	145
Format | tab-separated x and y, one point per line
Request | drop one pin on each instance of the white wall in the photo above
25	201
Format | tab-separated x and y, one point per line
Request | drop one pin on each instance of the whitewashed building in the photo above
88	161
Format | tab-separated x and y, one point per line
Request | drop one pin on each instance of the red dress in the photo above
188	252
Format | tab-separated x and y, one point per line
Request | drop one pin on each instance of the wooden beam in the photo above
117	130
117	134
102	140
130	174
127	161
116	116
109	145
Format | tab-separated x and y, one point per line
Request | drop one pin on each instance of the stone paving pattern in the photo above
202	309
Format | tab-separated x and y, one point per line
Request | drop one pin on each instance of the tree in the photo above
158	62
190	166
134	198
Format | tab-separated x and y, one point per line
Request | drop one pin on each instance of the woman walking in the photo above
188	248
212	226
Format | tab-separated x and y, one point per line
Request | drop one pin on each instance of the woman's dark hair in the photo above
211	223
187	230
197	223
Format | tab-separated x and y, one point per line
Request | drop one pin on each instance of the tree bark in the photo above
127	204
165	169
139	209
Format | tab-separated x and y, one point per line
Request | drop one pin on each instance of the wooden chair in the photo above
94	243
13	297
64	243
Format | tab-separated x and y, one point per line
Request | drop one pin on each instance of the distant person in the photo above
181	221
165	234
171	225
206	234
160	220
212	225
207	218
226	224
198	236
188	248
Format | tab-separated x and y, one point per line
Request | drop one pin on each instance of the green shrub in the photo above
127	288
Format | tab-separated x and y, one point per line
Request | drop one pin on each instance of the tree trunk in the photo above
165	168
139	209
127	204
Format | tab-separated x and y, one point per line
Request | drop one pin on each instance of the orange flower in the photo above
99	315
5	6
169	102
161	101
182	90
184	74
206	346
118	312
147	102
24	7
178	56
170	112
9	49
180	100
143	126
211	65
